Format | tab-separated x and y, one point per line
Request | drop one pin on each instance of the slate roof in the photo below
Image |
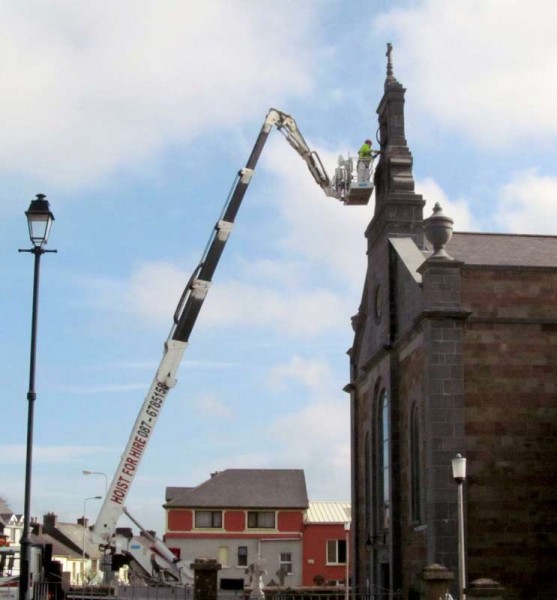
245	488
498	249
73	532
58	548
328	512
174	492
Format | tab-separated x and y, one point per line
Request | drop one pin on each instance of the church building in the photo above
454	351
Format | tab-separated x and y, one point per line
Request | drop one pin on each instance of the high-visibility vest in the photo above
365	151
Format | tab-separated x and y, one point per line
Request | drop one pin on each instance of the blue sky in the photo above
134	118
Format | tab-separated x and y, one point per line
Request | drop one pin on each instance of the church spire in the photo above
397	207
396	158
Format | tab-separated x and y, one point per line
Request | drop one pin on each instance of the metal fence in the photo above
130	592
138	592
337	594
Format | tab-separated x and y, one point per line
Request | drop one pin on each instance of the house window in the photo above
263	519
415	471
242	556
385	453
208	519
336	552
285	562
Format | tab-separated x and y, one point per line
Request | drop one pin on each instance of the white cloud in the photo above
318	438
458	210
91	88
288	272
478	66
153	289
298	312
210	405
316	435
313	374
319	228
528	204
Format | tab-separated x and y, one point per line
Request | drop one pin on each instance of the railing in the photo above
139	592
130	592
313	594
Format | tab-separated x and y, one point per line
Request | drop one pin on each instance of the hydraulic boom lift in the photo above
345	188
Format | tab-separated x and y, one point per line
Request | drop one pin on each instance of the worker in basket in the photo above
365	157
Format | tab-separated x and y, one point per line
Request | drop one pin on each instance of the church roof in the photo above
505	250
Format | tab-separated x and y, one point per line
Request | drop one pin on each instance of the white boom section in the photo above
151	555
114	503
188	309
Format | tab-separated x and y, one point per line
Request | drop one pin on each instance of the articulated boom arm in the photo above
186	315
287	126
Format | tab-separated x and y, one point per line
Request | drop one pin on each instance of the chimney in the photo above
83	521
50	521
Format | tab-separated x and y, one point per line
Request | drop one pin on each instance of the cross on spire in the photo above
389	59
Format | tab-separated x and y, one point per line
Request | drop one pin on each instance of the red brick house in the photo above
326	543
455	351
240	516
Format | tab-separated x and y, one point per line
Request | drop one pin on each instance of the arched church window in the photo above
415	465
385	452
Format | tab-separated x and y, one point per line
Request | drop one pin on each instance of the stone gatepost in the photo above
205	578
485	588
436	581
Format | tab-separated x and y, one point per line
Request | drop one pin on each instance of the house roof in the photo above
75	534
328	512
172	493
12	517
58	549
498	249
245	488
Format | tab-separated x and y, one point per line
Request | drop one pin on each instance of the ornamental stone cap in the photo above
437	572
205	564
485	588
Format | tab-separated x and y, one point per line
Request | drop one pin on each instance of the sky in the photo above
134	118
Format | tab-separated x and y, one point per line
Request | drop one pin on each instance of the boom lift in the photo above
147	549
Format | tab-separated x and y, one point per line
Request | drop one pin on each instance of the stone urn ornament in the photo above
438	231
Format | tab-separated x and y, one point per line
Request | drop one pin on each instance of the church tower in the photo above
394	234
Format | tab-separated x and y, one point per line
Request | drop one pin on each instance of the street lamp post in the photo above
39	220
99	473
83	539
347	575
459	475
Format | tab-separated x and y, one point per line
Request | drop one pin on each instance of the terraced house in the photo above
242	517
